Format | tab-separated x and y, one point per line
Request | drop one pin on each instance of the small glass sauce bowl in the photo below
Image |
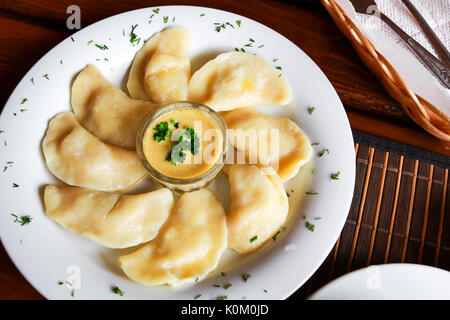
183	184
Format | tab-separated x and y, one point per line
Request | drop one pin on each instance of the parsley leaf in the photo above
162	131
117	290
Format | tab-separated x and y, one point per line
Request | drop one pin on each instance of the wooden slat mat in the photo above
400	214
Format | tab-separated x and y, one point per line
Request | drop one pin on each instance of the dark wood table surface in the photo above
28	29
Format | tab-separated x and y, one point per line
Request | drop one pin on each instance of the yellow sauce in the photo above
210	147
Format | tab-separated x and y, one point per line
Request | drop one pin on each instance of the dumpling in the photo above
106	111
111	220
161	69
187	247
237	79
286	154
258	206
78	158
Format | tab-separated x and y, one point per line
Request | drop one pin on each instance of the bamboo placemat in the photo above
400	212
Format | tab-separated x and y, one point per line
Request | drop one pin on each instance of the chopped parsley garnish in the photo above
196	279
202	15
165	19
117	290
311	110
313	171
246	276
162	131
216	285
315	144
32	80
227	286
46	76
305	217
279	68
23	110
321	153
335	176
260	46
174	123
265	291
274	238
90	42
8	164
197	296
72	39
318	218
101	47
15	185
134	39
24	100
60	283
223	274
275	60
222	298
238	22
23	220
309	226
312	193
191	143
156	10
72	293
1	131
254	239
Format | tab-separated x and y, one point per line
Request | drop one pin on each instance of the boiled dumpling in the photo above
111	220
80	159
293	150
187	247
237	79
106	111
161	69
258	206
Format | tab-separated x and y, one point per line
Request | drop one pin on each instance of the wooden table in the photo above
28	29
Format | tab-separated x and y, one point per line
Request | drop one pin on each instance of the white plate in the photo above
400	281
44	252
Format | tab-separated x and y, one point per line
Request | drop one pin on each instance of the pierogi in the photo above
237	79
265	140
78	158
105	110
188	246
161	69
111	220
258	206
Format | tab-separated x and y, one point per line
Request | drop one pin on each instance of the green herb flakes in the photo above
117	290
24	220
335	176
246	276
102	47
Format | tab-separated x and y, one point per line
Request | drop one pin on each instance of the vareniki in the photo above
106	111
111	220
161	69
237	79
188	246
80	159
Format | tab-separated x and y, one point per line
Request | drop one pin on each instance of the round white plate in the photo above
400	281
46	254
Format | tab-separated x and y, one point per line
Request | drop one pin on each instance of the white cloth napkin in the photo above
395	50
